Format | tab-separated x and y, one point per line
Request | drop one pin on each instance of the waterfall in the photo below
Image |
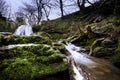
24	30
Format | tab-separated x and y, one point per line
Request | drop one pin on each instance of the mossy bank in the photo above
31	63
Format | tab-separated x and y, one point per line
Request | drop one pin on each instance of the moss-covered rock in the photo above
116	57
31	62
38	39
99	52
106	42
60	46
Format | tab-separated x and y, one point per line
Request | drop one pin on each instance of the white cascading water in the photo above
24	30
78	75
79	58
96	69
20	45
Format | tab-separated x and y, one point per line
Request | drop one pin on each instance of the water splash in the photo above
78	76
78	57
24	30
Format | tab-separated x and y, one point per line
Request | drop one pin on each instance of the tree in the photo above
60	5
37	10
3	7
29	13
47	13
81	4
42	7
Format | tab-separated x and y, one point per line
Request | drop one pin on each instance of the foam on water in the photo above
77	75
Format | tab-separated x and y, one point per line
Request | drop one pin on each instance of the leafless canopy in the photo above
3	7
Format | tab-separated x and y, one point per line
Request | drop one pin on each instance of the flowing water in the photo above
24	30
89	68
84	66
20	45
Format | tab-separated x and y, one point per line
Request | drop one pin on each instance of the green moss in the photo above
11	39
31	62
60	47
7	26
115	20
56	36
1	37
106	42
99	52
116	58
90	43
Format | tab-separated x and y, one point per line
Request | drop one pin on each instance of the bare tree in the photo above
3	7
30	13
37	10
41	7
81	4
60	5
47	13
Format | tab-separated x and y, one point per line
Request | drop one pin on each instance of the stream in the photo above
84	67
88	68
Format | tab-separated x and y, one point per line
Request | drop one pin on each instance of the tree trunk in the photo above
61	8
39	9
81	4
46	13
78	3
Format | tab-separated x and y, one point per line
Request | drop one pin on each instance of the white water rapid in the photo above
77	56
89	68
78	75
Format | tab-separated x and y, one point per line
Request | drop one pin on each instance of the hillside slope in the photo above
96	30
70	24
